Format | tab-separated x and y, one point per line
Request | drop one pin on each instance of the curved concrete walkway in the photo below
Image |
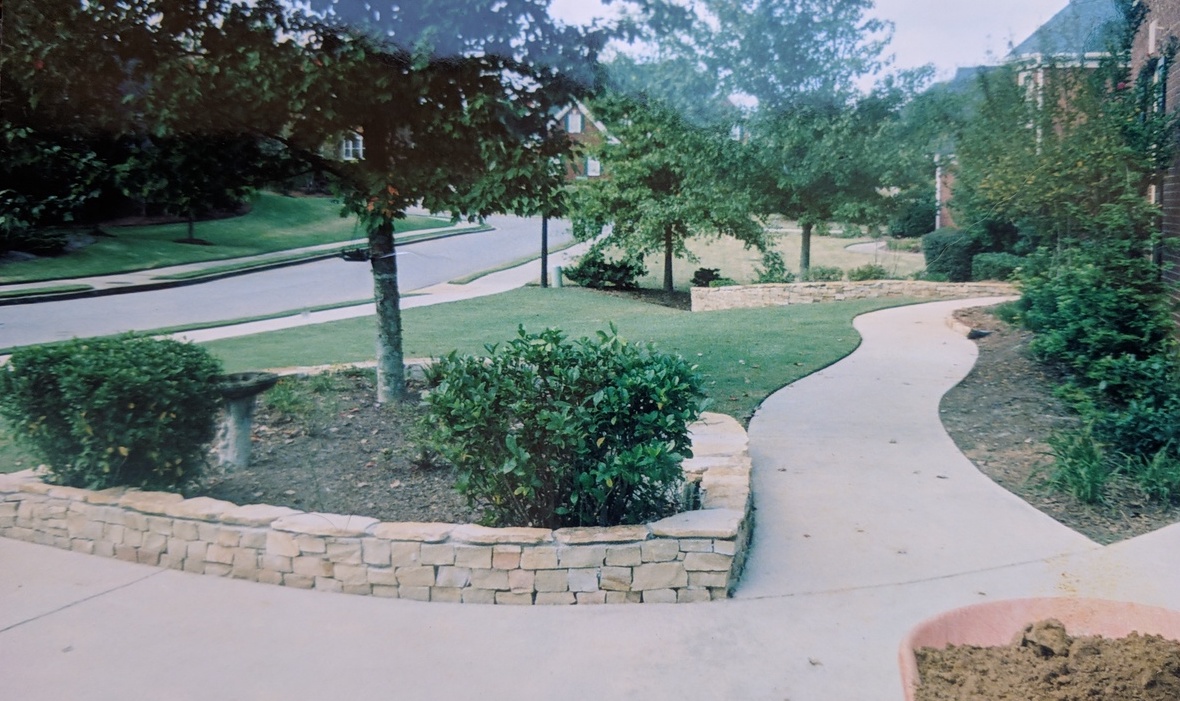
868	521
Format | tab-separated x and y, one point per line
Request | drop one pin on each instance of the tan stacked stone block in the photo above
410	555
309	566
256	515
319	524
510	599
587	536
347	552
456	577
624	555
328	584
281	544
350	574
538	558
708	579
376	551
506	557
520	581
298	581
615	578
659	596
482	535
474	556
384	576
420	576
185	530
311	545
480	596
413	531
689	596
583	580
658	575
414	593
661	550
551	580
229	538
489	579
449	595
581	556
708	562
562	598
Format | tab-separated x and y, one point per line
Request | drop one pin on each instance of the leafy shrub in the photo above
949	252
868	271
823	273
915	218
122	411
594	270
995	266
38	242
703	276
548	433
723	282
1096	311
773	270
913	245
1080	466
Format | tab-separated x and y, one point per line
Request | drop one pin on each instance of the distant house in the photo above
579	122
1159	30
1076	38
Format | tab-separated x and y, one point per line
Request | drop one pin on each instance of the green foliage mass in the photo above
948	253
549	433
595	271
995	266
122	411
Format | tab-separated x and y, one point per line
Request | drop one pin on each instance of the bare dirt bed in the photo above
1045	664
1001	416
323	444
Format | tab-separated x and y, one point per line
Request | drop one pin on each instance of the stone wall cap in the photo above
325	524
71	493
149	502
482	535
413	531
199	508
33	487
12	481
256	515
613	534
105	497
705	523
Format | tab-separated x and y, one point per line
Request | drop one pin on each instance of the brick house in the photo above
586	131
1160	28
1078	37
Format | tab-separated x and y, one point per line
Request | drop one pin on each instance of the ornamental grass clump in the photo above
123	411
550	433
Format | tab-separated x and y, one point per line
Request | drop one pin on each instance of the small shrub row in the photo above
122	411
550	433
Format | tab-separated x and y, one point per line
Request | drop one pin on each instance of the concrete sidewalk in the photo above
869	520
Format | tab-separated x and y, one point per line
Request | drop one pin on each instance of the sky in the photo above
946	33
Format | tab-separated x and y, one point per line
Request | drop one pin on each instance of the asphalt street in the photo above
289	289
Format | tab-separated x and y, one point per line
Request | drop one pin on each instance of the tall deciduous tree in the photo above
665	181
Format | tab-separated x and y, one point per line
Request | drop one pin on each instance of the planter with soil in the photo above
1023	649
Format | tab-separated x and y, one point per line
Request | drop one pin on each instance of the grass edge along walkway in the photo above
745	355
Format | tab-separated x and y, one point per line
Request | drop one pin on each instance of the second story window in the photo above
352	148
573	123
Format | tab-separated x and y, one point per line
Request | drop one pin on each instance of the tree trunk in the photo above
667	260
192	224
391	369
805	252
544	252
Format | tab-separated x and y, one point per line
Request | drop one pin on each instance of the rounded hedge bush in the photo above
123	411
550	433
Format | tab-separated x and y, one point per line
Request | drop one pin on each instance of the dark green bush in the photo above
121	411
39	242
915	218
868	271
703	276
823	273
550	433
949	252
594	270
723	282
995	266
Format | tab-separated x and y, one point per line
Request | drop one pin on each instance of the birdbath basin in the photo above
239	391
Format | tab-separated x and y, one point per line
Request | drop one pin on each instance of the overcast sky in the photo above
947	33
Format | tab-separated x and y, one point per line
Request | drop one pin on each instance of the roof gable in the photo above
1081	27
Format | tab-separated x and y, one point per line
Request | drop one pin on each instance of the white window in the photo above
352	148
573	123
593	168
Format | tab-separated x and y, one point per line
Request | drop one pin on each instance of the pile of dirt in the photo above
1046	664
1002	415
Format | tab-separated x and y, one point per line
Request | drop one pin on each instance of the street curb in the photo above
33	297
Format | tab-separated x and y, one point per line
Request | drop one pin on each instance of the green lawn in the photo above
744	354
276	223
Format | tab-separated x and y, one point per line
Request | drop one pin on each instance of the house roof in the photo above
1081	27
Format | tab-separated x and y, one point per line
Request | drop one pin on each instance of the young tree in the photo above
665	181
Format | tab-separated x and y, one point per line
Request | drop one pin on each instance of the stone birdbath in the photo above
239	391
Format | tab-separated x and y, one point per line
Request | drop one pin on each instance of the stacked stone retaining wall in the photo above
708	299
692	556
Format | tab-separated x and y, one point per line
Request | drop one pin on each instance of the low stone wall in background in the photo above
708	299
692	556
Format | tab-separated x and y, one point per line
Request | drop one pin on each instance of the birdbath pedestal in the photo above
239	391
